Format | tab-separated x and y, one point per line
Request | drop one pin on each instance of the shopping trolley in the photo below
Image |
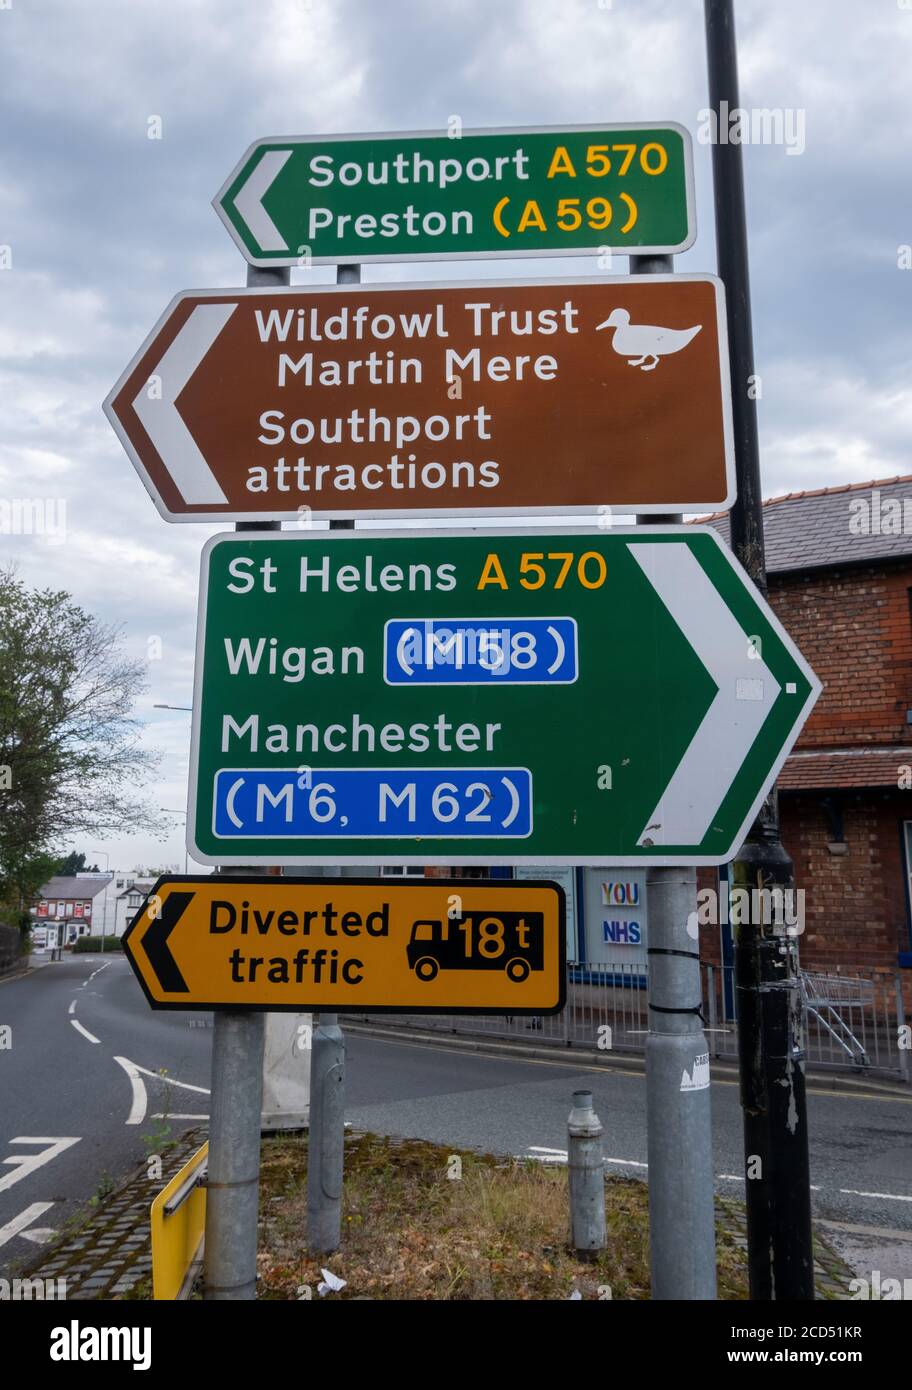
833	996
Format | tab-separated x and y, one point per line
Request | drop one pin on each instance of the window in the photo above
403	871
905	957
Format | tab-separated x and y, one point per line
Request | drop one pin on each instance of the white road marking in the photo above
27	1163
17	1226
40	1235
84	1031
885	1196
885	1232
140	1098
72	1008
169	1080
737	1177
163	1115
545	1155
94	973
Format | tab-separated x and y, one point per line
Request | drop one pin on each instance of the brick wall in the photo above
855	906
854	628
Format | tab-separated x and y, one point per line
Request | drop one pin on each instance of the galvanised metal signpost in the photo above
495	698
460	194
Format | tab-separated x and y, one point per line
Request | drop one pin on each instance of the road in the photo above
77	1112
91	1109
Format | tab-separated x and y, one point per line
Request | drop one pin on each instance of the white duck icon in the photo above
641	341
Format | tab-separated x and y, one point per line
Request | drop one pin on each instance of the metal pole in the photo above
679	1132
771	1056
903	1052
682	1233
587	1178
104	915
326	1139
233	1187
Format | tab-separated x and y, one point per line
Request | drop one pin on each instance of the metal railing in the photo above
852	1022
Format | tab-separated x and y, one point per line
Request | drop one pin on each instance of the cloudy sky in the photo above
100	226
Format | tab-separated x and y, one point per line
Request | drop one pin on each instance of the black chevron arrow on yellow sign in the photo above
155	943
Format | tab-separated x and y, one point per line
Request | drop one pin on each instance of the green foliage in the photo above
73	864
21	871
85	944
67	737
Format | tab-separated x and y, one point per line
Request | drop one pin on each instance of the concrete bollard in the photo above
587	1178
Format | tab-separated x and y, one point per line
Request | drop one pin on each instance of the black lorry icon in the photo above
508	941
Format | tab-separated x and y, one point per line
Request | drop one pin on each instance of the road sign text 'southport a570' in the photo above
455	194
363	698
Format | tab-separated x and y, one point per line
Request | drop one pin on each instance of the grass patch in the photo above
500	1230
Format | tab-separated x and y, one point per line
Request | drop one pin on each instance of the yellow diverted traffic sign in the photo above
178	1220
339	944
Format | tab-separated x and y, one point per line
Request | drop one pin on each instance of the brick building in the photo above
839	563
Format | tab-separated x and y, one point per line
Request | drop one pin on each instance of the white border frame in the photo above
541	856
489	508
277	262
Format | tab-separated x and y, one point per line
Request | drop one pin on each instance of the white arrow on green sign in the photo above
507	697
447	194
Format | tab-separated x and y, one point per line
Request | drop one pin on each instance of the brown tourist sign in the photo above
533	396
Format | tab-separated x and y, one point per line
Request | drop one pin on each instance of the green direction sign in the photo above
425	195
496	697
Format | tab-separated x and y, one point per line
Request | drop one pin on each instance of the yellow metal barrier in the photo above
178	1217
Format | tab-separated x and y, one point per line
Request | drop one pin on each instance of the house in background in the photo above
128	900
839	565
68	908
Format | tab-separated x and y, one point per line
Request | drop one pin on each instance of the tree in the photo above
70	756
74	864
